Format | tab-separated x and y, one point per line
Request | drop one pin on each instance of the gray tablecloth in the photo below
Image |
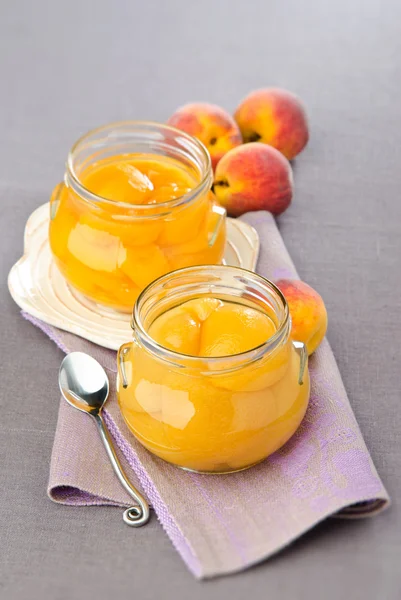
66	67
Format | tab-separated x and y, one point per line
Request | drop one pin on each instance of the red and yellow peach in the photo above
307	310
275	117
212	125
253	177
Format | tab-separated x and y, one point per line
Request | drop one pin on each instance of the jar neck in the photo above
137	137
231	284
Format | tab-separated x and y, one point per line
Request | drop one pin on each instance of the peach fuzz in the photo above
307	310
275	117
253	177
212	125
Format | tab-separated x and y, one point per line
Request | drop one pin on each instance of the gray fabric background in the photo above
67	67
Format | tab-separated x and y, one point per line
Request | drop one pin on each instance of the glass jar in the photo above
110	250
212	415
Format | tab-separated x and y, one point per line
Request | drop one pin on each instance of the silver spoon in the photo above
84	384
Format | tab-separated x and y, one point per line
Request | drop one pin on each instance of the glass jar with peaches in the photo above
212	381
136	203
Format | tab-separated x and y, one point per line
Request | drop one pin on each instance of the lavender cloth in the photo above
221	524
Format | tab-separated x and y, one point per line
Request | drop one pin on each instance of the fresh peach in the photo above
253	177
212	125
275	117
307	310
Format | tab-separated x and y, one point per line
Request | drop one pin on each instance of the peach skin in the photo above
275	117
307	310
212	125
253	177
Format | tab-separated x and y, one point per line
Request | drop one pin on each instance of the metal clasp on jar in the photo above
220	213
55	199
121	355
300	348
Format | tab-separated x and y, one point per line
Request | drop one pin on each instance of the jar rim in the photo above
249	355
79	188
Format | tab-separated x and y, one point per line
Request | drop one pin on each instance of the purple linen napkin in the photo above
225	523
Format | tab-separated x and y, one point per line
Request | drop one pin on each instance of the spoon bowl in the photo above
83	382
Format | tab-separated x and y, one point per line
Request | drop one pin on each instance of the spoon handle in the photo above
136	516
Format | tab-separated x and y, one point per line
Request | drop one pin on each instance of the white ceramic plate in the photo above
38	287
